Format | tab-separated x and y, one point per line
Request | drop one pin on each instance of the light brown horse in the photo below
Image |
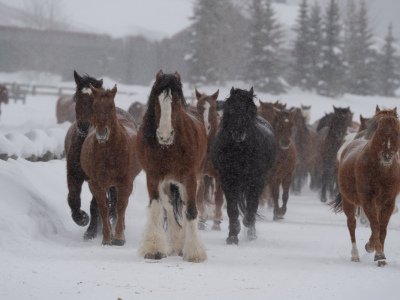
172	146
108	158
207	109
285	161
65	109
369	176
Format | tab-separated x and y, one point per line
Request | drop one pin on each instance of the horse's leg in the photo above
384	217
232	195
174	230
350	209
123	193
372	215
252	195
193	248
200	199
275	196
91	232
99	194
285	194
219	201
154	244
75	182
112	201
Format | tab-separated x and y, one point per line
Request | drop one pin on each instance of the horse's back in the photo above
65	109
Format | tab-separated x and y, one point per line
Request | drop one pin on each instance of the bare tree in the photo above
45	14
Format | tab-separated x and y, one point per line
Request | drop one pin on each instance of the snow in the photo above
43	255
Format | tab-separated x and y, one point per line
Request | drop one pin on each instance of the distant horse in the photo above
137	110
267	110
108	158
3	95
73	142
172	146
306	111
330	140
243	153
304	138
207	109
369	176
285	162
65	109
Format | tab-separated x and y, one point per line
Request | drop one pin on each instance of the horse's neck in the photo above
336	134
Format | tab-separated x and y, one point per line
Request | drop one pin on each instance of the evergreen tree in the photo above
265	39
389	75
360	62
332	71
316	39
303	65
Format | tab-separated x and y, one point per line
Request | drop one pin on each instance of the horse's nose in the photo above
163	137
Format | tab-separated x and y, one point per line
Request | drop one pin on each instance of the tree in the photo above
302	54
332	71
316	39
265	39
389	75
45	14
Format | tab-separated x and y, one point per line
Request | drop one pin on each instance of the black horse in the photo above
243	153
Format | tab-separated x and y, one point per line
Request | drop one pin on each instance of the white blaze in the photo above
87	91
206	114
165	125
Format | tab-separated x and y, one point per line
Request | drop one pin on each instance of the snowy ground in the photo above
305	256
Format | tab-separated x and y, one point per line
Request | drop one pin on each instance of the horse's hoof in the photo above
89	235
202	225
278	217
382	263
380	256
117	242
232	240
81	218
216	227
156	256
368	248
251	234
106	243
355	259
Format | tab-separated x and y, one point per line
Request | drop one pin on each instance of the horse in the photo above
172	146
329	141
285	162
207	109
65	109
243	153
369	177
267	110
73	142
137	110
3	95
306	111
108	158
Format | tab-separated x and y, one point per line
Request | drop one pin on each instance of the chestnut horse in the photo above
65	109
172	146
108	158
243	153
207	109
285	161
369	176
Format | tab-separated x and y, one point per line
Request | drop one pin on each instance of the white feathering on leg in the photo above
193	249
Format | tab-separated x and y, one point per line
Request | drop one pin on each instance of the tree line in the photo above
333	52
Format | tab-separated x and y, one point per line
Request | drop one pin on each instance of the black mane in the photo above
86	81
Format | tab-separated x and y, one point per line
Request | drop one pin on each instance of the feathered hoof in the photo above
379	256
156	256
195	258
81	218
106	242
90	234
278	217
232	240
368	248
118	242
202	225
251	234
382	263
355	259
216	226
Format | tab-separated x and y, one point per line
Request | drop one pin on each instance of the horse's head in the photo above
84	100
207	108
386	137
104	112
239	113
283	126
165	104
342	116
267	111
306	111
363	123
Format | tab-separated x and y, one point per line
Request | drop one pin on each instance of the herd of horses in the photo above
232	149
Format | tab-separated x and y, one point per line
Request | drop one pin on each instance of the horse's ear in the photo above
215	95
77	78
232	90
159	74
377	109
395	110
114	90
177	76
361	118
334	108
198	95
252	91
101	82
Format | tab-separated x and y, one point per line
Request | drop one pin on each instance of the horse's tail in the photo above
177	203
336	205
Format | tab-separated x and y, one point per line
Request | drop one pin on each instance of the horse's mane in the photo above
87	81
372	123
165	82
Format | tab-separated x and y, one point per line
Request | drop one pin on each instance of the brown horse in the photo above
267	110
285	161
137	110
108	158
172	146
3	95
207	109
65	109
369	176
